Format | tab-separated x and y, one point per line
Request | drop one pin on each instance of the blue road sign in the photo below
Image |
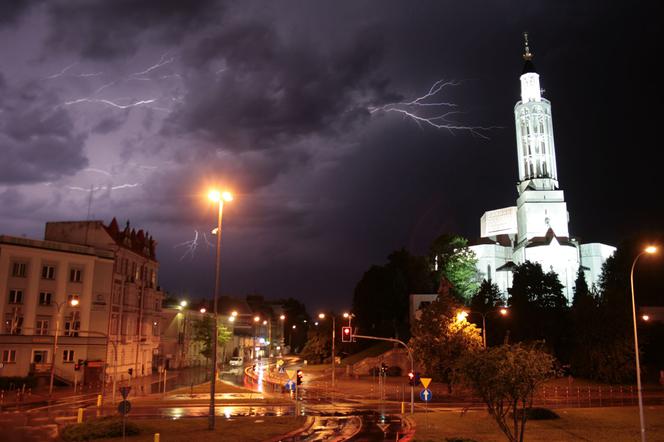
290	385
426	395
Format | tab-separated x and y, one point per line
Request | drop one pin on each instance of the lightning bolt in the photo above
192	245
162	62
420	111
110	103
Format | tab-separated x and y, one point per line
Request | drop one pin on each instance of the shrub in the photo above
110	426
459	439
14	383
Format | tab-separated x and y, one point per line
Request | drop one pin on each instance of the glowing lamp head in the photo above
346	315
645	317
651	249
227	196
264	322
183	303
294	326
214	195
233	313
231	318
203	310
461	316
503	311
257	318
321	315
73	302
282	317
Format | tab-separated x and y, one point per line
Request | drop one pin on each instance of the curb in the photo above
307	425
410	429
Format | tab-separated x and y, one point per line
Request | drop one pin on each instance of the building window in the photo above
48	272
40	356
41	327
72	328
9	356
75	275
13	324
45	298
16	296
19	269
68	356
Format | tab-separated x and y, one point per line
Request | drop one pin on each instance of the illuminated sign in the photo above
498	222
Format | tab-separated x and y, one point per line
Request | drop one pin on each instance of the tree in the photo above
319	343
439	338
487	298
451	258
202	332
380	299
506	377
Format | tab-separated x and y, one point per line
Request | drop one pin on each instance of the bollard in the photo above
156	437
403	407
79	419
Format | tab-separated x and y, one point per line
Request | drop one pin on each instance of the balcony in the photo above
40	368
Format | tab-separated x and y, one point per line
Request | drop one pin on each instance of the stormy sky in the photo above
133	108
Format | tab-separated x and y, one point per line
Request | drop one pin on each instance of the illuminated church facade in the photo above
536	229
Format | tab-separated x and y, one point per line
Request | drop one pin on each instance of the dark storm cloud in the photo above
102	29
250	89
12	10
37	137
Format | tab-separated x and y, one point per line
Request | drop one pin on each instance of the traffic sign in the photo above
383	427
124	407
426	395
425	382
124	391
290	385
280	362
290	373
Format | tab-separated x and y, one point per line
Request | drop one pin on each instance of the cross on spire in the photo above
527	55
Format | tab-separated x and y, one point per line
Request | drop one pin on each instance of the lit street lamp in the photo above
650	250
73	302
322	316
219	198
464	314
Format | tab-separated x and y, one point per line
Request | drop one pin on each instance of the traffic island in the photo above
249	429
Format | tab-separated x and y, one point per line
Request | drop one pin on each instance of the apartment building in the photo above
111	273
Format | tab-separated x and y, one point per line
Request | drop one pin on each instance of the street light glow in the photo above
651	249
461	316
503	311
74	302
264	322
227	196
282	317
214	195
346	315
321	315
646	317
257	318
231	318
183	303
203	310
294	326
233	313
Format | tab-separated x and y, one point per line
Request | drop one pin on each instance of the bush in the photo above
110	426
539	414
459	439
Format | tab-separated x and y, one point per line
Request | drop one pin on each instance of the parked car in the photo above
236	361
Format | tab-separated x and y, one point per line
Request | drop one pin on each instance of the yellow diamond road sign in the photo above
425	382
290	373
280	362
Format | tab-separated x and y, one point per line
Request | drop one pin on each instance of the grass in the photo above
609	424
245	429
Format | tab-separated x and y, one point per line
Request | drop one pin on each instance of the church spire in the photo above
528	66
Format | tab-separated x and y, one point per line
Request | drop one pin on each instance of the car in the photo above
236	361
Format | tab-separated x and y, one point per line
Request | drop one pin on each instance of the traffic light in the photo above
346	334
411	378
383	369
299	377
130	371
78	364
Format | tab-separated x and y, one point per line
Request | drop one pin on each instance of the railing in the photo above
40	368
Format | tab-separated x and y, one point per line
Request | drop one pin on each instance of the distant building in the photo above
536	229
417	302
113	275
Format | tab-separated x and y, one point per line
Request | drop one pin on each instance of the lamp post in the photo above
322	316
464	313
73	302
650	250
217	197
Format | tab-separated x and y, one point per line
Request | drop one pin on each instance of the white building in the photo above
536	229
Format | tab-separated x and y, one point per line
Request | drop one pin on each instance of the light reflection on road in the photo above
226	411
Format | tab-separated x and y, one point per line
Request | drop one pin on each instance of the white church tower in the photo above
536	229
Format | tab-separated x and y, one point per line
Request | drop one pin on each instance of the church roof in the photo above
501	240
547	238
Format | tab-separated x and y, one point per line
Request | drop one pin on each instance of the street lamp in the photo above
219	198
649	250
73	302
463	314
322	316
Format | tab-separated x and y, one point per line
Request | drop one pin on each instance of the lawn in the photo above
249	429
614	424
